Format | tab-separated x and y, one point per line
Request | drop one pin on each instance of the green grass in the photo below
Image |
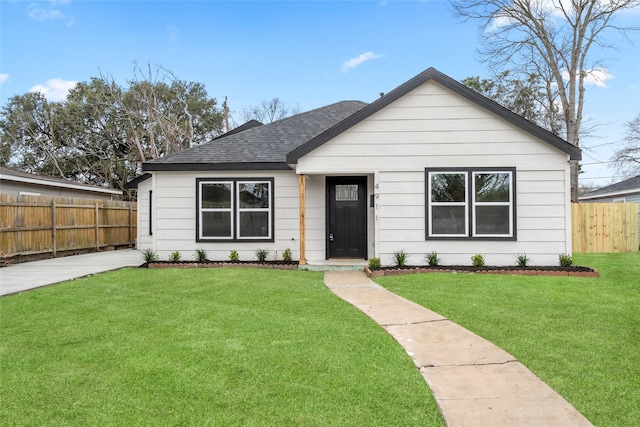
202	347
580	335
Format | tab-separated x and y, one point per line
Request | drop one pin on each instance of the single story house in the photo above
624	191
430	166
28	184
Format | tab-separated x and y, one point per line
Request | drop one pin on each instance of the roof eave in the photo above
183	167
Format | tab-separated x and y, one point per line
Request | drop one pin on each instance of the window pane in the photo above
448	187
253	195
254	224
347	193
492	187
216	195
448	220
492	220
216	224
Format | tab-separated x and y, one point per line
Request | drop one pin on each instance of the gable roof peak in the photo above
427	75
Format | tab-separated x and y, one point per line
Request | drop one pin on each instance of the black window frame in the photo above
150	212
235	210
469	203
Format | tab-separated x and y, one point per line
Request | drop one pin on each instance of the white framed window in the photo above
448	208
492	204
216	210
254	209
470	203
234	209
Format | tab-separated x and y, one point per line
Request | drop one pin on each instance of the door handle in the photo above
331	237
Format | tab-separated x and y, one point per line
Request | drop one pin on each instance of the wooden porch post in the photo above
303	213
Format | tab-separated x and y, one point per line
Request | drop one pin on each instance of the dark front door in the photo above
346	217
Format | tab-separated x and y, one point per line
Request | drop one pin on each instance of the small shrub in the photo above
565	260
522	260
201	255
374	263
233	256
286	255
149	255
432	259
175	256
400	257
477	260
262	254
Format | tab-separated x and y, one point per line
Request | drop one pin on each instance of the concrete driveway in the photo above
30	275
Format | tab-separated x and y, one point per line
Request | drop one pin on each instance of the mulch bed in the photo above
527	271
277	265
390	271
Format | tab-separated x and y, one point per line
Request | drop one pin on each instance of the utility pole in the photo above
226	114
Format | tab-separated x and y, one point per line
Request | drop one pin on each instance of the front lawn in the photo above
580	335
202	347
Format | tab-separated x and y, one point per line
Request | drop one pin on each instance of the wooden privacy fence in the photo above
605	227
37	224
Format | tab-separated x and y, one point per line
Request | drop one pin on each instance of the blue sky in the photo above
307	53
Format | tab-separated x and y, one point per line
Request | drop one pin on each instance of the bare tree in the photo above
269	111
528	96
548	37
102	133
627	159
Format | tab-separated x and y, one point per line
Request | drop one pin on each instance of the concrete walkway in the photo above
30	275
474	382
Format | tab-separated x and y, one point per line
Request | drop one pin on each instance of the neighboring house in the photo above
23	183
430	166
623	191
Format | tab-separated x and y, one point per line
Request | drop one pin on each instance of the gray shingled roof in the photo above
263	146
631	185
19	176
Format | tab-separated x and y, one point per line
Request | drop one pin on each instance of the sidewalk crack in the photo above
413	323
469	364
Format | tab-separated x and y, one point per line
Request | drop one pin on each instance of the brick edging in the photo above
221	265
399	271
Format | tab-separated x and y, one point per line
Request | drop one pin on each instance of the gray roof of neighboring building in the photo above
259	147
628	186
50	181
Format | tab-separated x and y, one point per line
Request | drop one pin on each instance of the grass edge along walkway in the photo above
202	347
474	382
579	335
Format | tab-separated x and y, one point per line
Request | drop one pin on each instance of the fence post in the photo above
54	243
97	226
130	223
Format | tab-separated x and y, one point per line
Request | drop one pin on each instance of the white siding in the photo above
144	240
174	216
433	127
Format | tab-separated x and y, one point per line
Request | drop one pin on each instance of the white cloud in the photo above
40	14
37	13
354	62
4	78
55	89
596	76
